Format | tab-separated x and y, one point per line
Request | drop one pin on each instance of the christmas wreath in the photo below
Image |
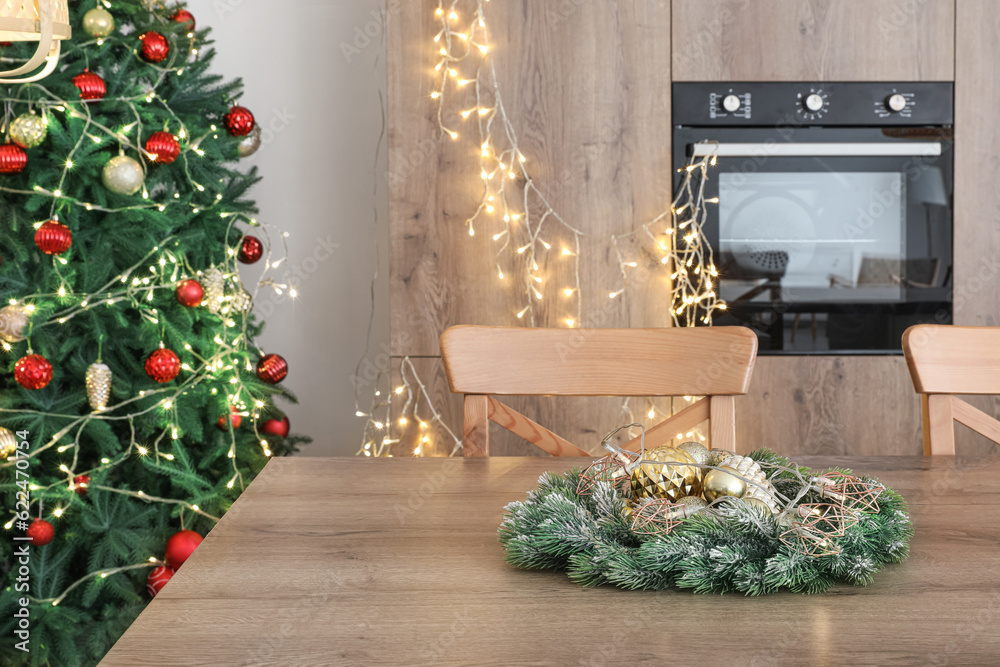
709	521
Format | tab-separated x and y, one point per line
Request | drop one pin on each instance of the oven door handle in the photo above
765	149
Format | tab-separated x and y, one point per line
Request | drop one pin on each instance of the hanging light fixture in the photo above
42	21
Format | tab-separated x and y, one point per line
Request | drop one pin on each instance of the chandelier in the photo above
42	21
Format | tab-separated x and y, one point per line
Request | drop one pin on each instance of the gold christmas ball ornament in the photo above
665	475
98	382
250	143
758	504
122	175
13	321
98	22
723	482
8	442
698	452
28	130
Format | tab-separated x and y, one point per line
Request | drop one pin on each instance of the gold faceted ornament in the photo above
28	130
8	442
723	482
98	382
664	475
13	320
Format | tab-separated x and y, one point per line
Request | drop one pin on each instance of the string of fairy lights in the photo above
162	269
527	228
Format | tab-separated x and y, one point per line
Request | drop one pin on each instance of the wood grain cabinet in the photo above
587	86
813	40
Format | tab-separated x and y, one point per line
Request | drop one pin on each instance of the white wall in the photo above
322	118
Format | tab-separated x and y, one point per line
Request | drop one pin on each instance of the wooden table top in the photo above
396	561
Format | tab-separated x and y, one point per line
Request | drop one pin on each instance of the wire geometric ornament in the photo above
812	533
610	469
659	516
851	492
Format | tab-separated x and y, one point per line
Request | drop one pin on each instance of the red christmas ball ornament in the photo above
155	47
278	427
239	121
41	532
251	250
13	159
163	146
33	371
163	365
158	578
180	546
235	417
53	238
272	368
190	293
80	484
184	16
91	86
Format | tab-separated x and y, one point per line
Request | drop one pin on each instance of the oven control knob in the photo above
895	103
730	103
813	102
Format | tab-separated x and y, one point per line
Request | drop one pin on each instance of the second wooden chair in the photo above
946	360
481	362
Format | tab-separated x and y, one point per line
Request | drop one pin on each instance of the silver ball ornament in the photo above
28	130
250	143
122	175
98	22
13	321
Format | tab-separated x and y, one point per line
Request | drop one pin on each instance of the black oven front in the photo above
833	227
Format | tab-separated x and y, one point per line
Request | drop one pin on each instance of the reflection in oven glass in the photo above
812	237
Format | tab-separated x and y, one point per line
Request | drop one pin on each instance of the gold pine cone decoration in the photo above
98	381
660	480
750	469
8	442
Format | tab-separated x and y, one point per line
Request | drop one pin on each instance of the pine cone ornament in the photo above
657	479
98	382
750	469
215	290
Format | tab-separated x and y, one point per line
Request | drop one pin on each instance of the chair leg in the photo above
938	423
476	426
722	422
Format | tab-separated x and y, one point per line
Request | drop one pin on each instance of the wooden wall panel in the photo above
815	40
977	198
587	87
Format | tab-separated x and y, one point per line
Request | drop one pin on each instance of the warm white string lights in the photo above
525	225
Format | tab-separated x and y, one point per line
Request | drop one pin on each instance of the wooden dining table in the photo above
396	561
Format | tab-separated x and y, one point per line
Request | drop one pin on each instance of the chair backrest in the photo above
715	362
946	360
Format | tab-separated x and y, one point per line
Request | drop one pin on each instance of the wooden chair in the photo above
947	360
482	362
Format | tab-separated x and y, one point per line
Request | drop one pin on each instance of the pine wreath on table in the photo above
730	546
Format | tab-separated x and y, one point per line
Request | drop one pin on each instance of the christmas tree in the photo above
134	404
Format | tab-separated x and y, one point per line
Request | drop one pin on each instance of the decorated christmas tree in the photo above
134	403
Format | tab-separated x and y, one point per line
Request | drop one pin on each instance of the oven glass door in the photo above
836	241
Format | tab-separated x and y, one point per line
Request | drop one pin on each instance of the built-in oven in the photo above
833	227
